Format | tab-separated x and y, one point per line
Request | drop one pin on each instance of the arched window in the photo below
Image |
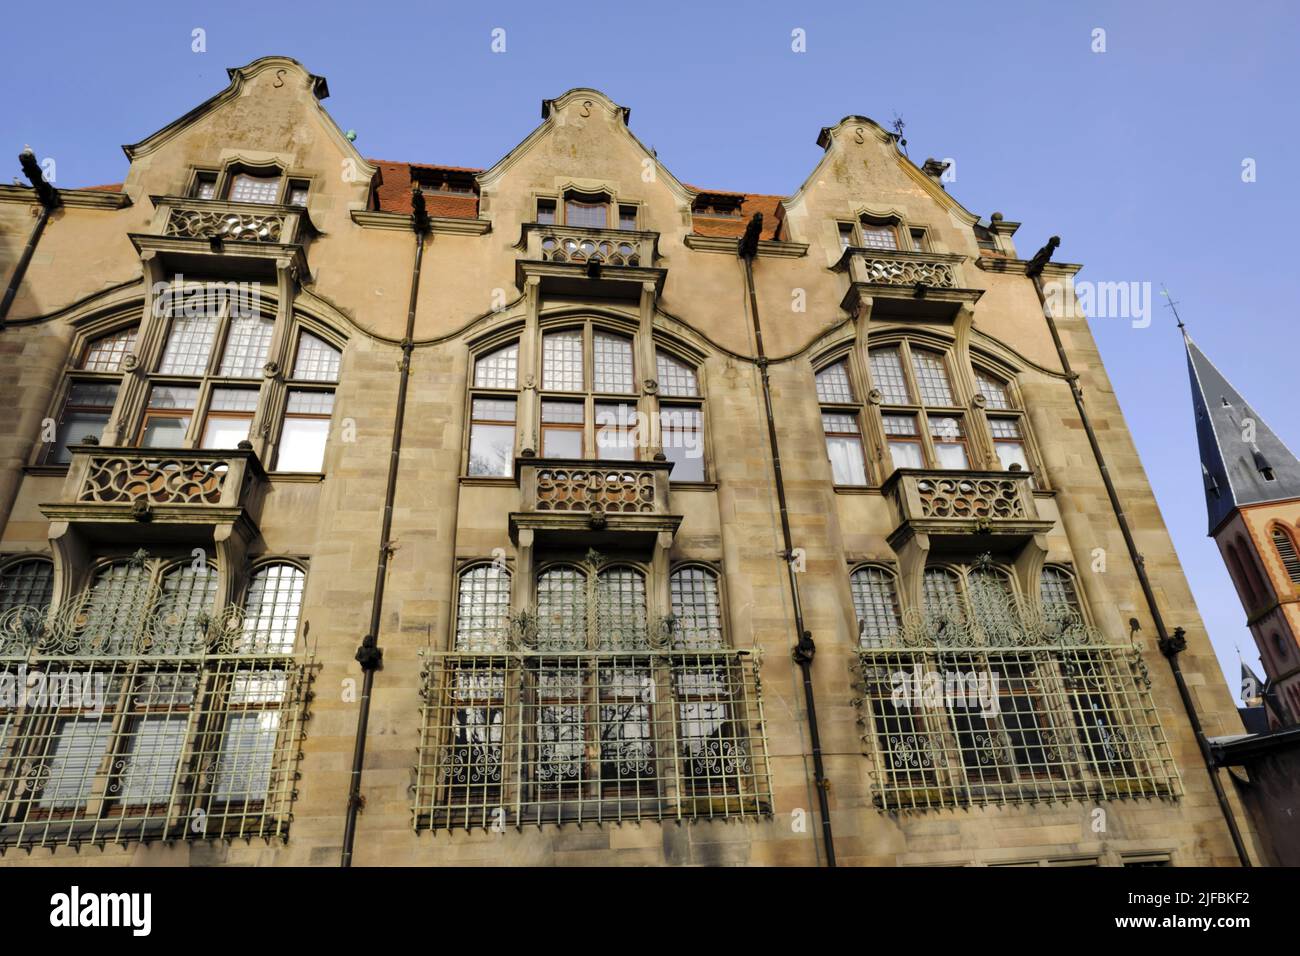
620	609
875	602
189	594
598	364
923	424
272	608
842	424
941	592
1057	592
118	605
1237	571
483	608
562	608
28	583
697	609
1286	551
91	392
1257	587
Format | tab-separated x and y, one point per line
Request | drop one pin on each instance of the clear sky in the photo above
1133	155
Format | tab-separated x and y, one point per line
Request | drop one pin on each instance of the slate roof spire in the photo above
1243	461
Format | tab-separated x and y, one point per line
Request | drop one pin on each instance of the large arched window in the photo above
482	608
923	423
875	602
620	609
1284	544
272	609
697	609
26	583
842	423
562	608
89	393
589	394
589	405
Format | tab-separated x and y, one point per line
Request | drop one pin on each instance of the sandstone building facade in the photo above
584	575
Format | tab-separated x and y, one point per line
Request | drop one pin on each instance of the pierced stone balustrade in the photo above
577	259
965	503
159	486
596	497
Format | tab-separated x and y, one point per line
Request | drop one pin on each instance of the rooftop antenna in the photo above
898	125
1173	306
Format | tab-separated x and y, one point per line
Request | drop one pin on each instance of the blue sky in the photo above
1134	156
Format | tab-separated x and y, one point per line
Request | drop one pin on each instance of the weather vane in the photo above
1173	306
898	130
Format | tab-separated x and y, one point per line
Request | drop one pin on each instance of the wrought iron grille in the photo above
172	724
964	706
526	737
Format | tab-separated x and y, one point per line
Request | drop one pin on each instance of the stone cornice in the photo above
998	264
73	198
438	225
767	248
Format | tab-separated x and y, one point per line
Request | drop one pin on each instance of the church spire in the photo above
1243	461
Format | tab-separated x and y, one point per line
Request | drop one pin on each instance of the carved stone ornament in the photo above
651	386
979	401
874	396
129	362
271	369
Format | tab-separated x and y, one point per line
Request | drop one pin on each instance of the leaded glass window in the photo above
272	608
875	601
676	378
620	609
613	363
483	608
498	369
562	361
28	583
697	612
562	608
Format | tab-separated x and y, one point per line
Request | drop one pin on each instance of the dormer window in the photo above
588	211
724	205
446	181
878	237
258	188
985	239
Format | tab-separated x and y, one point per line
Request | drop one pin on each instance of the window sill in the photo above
51	470
296	477
692	485
488	481
856	489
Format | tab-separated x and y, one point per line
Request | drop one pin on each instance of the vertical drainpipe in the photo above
369	656
1170	645
804	649
49	199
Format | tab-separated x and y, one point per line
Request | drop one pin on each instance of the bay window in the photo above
922	422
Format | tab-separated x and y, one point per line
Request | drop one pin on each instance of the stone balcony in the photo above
925	284
220	237
608	262
984	510
144	495
599	500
